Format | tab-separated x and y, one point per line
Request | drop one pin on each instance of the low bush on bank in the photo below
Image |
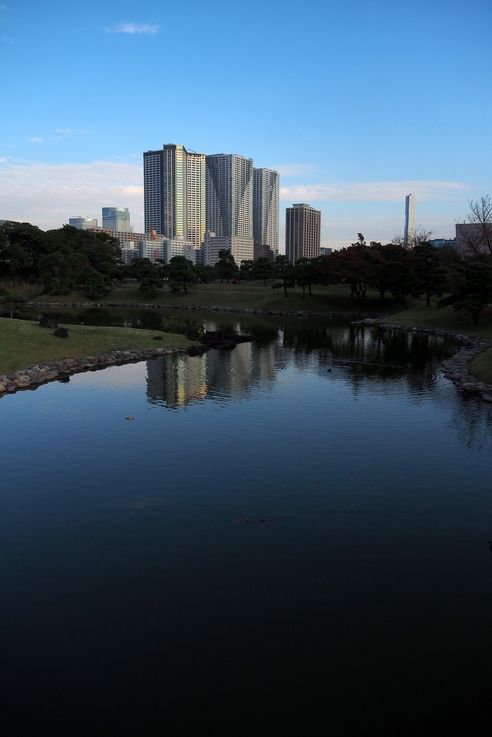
481	366
19	291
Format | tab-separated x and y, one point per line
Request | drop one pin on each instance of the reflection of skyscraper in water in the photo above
229	372
221	375
232	374
267	363
176	379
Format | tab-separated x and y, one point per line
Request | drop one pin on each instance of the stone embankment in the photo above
34	376
198	308
455	368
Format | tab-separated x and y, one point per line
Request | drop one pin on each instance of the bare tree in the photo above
416	237
475	235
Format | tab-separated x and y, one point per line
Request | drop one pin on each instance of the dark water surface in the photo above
294	534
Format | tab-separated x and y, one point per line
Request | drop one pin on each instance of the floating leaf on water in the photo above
261	520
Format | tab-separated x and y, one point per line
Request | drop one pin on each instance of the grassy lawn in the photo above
447	319
247	294
24	343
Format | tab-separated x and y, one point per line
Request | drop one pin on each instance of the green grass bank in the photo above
24	343
246	294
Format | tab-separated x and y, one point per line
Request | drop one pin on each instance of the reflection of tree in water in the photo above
302	336
165	320
471	419
391	355
374	353
379	351
366	353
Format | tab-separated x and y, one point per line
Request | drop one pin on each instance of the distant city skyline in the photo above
351	123
378	194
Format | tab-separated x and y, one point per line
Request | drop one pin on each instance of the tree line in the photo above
390	270
60	260
65	259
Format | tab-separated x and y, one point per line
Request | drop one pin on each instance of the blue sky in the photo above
356	103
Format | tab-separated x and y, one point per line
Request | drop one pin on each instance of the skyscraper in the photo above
195	198
265	208
116	218
153	205
302	232
82	223
229	189
409	228
174	193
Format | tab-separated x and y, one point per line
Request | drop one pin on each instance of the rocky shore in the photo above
34	376
454	368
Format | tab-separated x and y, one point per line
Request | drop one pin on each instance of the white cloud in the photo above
69	132
35	139
134	28
372	191
48	194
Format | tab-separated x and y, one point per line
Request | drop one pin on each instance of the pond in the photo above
292	531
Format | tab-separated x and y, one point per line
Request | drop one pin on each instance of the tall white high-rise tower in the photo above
229	220
409	228
195	198
174	193
229	190
265	208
